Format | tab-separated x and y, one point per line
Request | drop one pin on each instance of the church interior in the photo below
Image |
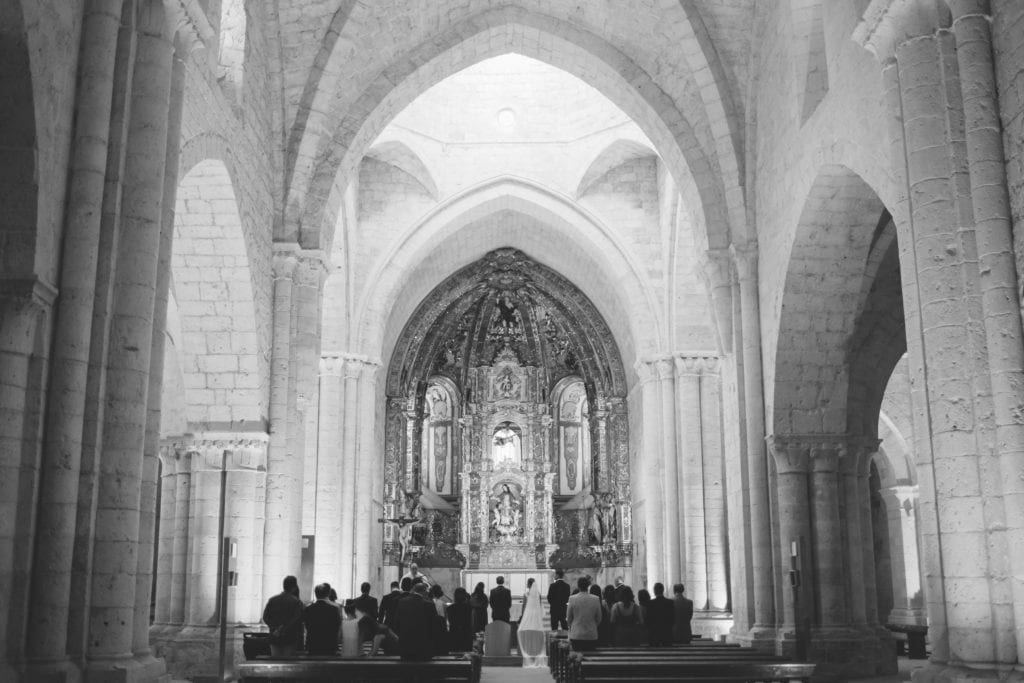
720	292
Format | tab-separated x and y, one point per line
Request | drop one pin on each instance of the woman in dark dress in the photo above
460	622
478	602
604	631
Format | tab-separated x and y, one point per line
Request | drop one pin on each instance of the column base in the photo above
192	652
850	652
758	637
712	624
143	669
56	671
980	673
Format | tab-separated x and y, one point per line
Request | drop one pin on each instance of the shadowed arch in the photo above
323	167
615	154
821	301
399	155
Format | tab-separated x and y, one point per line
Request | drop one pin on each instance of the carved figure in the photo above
608	519
506	514
505	447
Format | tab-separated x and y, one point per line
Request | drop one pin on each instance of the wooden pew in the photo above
562	651
593	670
461	668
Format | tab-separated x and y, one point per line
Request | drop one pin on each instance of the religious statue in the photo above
505	447
410	516
601	523
506	514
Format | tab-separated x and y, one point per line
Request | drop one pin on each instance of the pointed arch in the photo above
615	154
399	155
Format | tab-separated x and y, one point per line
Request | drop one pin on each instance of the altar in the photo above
506	445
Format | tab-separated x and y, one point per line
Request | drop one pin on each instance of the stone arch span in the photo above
321	166
511	212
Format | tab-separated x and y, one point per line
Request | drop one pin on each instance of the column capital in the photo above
646	371
696	365
664	368
331	365
887	24
745	257
716	265
904	493
795	453
284	260
245	450
21	301
311	267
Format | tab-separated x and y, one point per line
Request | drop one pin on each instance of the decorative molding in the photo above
245	450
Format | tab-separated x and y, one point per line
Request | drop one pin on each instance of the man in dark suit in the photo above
283	614
366	603
681	630
558	598
388	604
501	601
322	620
414	623
660	616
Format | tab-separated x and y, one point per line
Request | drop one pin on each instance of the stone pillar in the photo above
46	643
759	513
792	464
965	383
178	577
165	539
648	475
691	478
119	520
868	448
826	538
856	537
283	541
368	455
668	476
715	523
353	368
22	314
901	509
329	476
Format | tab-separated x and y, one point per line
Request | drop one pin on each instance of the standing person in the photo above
351	645
604	628
583	616
283	615
643	598
628	620
501	601
478	602
322	623
366	603
619	586
660	616
558	599
441	623
530	634
415	619
681	630
460	622
388	603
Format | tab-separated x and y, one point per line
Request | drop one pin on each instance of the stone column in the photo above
715	522
329	477
691	478
792	463
868	448
115	586
648	476
168	528
829	583
668	477
901	509
58	493
856	536
178	577
350	440
368	458
759	513
22	316
284	468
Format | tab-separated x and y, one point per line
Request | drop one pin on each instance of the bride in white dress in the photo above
531	632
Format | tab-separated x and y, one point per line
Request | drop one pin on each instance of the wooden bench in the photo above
313	668
591	670
561	653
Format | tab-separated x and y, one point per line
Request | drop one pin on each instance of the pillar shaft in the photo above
648	475
118	518
828	550
182	472
672	530
715	523
856	536
329	480
368	460
691	478
792	462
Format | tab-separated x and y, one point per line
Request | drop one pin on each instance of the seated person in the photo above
322	621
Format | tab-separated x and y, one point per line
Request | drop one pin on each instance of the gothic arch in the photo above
566	237
399	155
616	153
318	168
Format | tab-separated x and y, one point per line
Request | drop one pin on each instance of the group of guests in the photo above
615	616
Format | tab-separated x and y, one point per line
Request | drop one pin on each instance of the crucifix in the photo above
410	515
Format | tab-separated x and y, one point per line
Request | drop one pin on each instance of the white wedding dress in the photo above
531	633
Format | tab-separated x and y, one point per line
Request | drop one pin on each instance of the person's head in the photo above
479	588
618	581
500	581
394	586
413	568
643	597
350	608
333	596
559	573
365	588
626	595
659	589
406	584
529	583
609	594
461	595
417	580
583	583
436	591
420	589
291	585
595	590
322	591
679	589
